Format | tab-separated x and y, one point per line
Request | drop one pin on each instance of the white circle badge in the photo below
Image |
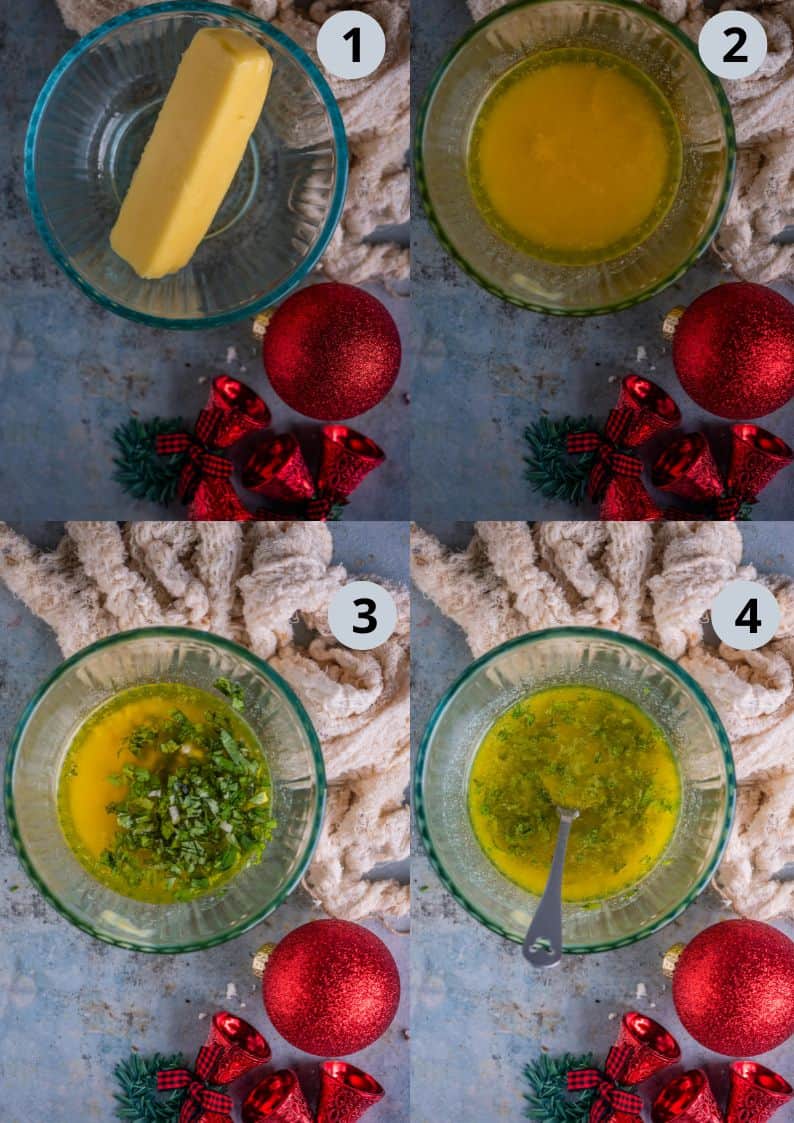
351	44
732	44
362	615
745	615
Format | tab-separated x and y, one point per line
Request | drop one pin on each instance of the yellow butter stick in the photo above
194	152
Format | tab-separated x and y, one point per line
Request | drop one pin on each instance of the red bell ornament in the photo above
346	1093
687	468
277	1099
733	350
686	1099
242	1047
627	500
652	1047
652	409
241	410
277	470
756	1093
217	501
756	458
347	458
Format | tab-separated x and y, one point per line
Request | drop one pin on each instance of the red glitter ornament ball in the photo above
331	351
331	987
733	350
733	987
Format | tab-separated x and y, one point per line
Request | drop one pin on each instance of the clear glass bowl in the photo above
46	729
614	662
452	104
88	129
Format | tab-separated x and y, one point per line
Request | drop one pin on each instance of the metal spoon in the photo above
543	942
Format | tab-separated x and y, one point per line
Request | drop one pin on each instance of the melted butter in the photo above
98	751
584	748
575	156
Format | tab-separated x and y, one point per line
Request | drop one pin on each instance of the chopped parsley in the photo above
233	691
196	805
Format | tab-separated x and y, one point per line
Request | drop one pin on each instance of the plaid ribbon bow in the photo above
611	461
200	463
319	508
199	1097
727	507
611	1098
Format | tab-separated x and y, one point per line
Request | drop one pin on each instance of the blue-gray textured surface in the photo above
71	1007
479	1013
71	372
485	369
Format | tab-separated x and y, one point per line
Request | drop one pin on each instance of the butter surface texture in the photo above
192	156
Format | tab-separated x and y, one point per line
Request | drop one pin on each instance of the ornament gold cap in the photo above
260	959
670	959
670	322
261	324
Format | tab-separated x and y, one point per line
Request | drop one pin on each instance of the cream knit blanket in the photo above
252	583
376	115
762	203
654	581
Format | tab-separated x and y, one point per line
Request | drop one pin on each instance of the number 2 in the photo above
366	611
748	617
741	39
355	35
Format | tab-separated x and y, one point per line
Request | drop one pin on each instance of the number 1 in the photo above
355	34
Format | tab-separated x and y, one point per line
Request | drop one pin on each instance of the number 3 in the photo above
366	611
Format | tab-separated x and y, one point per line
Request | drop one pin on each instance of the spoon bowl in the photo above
609	661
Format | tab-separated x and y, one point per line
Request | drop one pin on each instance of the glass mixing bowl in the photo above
597	658
452	104
42	739
88	129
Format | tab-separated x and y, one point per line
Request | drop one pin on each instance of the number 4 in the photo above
354	34
748	617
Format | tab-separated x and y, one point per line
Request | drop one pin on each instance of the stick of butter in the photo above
194	151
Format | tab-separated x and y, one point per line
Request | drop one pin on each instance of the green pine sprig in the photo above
547	1099
142	473
551	469
138	1100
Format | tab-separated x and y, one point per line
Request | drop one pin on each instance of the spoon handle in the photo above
543	941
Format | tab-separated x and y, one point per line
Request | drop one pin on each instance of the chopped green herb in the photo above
580	747
201	808
233	691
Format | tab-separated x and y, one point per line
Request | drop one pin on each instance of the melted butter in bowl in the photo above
588	181
165	793
584	748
